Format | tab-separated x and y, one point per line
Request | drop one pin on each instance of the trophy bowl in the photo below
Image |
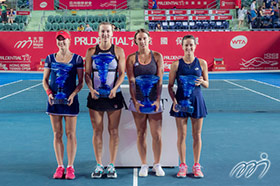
62	72
188	85
146	83
102	62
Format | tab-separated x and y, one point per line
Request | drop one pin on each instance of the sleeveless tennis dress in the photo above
196	97
69	86
148	69
106	104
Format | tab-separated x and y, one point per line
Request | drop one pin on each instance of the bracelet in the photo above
49	91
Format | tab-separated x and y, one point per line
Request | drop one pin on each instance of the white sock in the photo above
70	166
61	166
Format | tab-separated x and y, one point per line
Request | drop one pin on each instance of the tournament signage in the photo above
93	5
231	51
186	4
43	5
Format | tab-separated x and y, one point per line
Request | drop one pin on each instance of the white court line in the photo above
265	83
11	83
253	91
135	177
21	91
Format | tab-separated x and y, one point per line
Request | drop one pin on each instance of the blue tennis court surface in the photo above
242	124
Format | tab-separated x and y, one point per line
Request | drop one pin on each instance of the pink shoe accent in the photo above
70	173
197	171
183	170
59	173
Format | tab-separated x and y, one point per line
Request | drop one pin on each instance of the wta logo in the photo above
238	42
43	4
23	43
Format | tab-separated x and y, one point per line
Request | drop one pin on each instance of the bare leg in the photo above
155	121
57	141
113	128
96	118
196	133
141	125
181	138
70	130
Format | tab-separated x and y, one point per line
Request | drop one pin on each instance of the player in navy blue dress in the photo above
189	65
112	104
59	111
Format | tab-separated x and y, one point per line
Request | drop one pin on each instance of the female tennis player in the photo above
69	111
189	65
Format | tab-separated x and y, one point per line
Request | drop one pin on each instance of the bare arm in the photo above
88	71
131	77
121	69
204	81
159	61
172	76
79	86
46	86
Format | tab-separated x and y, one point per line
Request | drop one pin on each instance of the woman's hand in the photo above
199	81
94	94
174	104
137	106
70	99
113	93
50	98
157	104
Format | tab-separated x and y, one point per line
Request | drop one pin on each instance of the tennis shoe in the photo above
70	173
98	171
144	170
197	171
59	173
111	171
158	170
183	170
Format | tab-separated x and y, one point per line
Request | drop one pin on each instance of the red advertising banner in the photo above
237	51
96	4
168	12
185	18
23	12
227	4
186	4
43	5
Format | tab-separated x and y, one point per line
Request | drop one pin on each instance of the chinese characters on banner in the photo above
96	4
239	51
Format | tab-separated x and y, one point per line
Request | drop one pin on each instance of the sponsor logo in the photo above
44	4
238	42
23	43
95	41
164	41
248	168
36	42
111	3
257	61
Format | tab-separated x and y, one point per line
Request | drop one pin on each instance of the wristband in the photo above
49	91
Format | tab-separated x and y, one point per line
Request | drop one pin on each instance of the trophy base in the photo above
181	108
146	109
59	101
104	93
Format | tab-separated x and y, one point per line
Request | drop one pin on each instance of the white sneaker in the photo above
158	170
144	170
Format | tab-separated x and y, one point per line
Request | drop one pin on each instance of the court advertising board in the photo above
238	51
